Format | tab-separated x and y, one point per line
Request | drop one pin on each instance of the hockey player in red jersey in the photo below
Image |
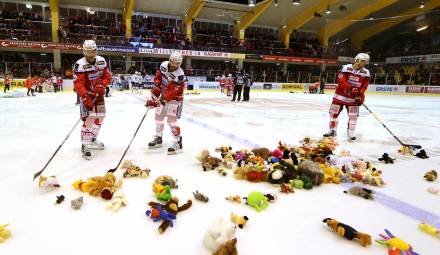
91	77
353	81
229	83
166	97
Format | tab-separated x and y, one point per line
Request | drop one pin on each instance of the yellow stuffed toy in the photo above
331	174
4	233
103	186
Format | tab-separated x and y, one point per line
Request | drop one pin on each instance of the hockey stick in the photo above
56	151
128	147
395	137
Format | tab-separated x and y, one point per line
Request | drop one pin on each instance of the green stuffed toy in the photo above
308	184
163	193
257	200
297	184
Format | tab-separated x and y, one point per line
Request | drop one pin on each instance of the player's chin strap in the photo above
412	146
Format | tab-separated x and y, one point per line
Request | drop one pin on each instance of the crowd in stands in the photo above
21	26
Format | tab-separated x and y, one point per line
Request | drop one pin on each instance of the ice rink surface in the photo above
32	128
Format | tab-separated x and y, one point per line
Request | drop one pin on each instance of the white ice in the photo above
32	128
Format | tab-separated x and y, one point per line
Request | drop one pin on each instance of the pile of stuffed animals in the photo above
303	167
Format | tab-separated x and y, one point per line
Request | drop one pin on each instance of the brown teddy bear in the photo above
431	176
103	186
348	232
262	152
171	206
229	248
208	162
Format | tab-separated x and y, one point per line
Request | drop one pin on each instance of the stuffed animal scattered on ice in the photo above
229	248
386	159
48	183
362	192
421	154
240	221
199	196
262	152
118	202
172	206
103	186
282	172
395	245
157	213
132	170
312	170
348	232
332	174
208	162
167	180
4	233
163	193
430	229
431	176
77	203
257	200
286	188
235	198
221	231
60	199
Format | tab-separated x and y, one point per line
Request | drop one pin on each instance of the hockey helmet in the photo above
88	46
362	56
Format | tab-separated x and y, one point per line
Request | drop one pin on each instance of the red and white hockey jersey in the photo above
171	84
351	84
86	75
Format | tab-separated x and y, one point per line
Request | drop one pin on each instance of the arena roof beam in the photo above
338	25
359	37
190	15
248	18
298	21
55	19
128	12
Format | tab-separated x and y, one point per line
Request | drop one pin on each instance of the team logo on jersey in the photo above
93	76
180	77
353	78
75	67
87	66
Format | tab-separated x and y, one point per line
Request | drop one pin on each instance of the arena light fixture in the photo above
422	5
296	2
422	28
328	10
29	6
251	3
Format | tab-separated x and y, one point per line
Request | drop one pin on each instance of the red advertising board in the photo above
299	59
432	90
414	89
39	45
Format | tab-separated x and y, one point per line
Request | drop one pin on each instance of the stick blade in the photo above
37	174
112	170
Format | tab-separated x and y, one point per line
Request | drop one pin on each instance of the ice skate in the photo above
86	152
175	147
96	145
156	143
331	133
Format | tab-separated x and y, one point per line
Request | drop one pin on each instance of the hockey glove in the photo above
354	91
152	103
88	102
100	89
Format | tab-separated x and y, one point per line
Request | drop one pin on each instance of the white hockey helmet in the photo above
176	57
362	56
89	45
